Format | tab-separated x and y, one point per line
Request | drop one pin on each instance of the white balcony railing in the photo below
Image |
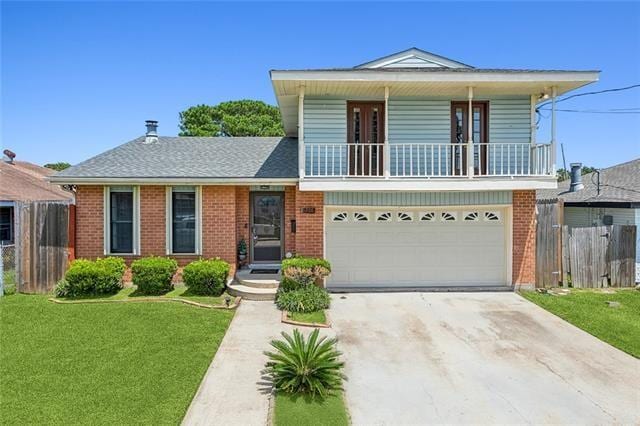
427	160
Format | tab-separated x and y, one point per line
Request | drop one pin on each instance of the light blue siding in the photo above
325	122
416	198
422	121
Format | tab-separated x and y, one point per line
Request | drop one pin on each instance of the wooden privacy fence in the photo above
587	257
42	243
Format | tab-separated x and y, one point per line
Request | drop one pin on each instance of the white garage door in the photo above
413	247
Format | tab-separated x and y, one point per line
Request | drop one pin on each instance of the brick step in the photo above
246	278
251	293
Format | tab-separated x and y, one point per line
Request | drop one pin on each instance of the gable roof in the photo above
23	181
190	159
618	184
413	58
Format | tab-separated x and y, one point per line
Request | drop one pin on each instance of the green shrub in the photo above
86	277
152	275
306	263
305	366
299	272
206	277
288	284
305	299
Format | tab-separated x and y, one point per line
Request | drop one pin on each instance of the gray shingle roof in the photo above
618	184
194	157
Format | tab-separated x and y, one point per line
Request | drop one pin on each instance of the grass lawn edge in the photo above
306	410
288	319
620	337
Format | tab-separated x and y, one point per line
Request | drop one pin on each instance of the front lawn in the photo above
316	317
116	363
294	410
587	309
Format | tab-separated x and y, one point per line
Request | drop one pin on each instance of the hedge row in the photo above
151	275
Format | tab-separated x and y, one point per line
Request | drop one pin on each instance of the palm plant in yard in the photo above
302	365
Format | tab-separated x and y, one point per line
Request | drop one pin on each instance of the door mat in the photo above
264	271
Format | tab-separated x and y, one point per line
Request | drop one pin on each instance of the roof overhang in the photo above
62	180
452	84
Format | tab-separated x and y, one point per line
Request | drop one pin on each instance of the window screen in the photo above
183	222
121	206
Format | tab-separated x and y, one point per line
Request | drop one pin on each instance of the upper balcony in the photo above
418	121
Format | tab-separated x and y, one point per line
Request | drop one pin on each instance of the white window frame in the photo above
169	219
107	219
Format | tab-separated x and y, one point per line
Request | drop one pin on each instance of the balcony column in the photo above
301	150
470	134
554	93
387	151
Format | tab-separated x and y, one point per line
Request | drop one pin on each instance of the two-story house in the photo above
409	171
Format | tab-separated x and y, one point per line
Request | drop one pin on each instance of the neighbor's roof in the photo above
195	158
23	181
618	184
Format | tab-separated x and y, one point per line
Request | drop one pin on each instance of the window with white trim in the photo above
448	216
121	207
405	216
471	216
427	216
492	216
383	217
360	217
340	217
183	220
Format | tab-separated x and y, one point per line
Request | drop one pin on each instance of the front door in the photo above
266	227
365	136
460	135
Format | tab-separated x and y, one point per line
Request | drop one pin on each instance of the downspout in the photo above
554	92
301	150
470	134
387	151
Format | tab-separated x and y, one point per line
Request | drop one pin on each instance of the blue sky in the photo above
80	78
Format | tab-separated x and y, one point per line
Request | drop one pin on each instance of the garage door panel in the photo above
416	253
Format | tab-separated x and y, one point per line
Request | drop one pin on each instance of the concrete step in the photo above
246	278
251	293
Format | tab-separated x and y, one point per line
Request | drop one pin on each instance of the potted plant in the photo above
242	249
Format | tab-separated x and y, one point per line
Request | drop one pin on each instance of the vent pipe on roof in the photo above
8	156
576	177
152	131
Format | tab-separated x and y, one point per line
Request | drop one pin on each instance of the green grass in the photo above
303	410
9	281
588	310
179	291
317	317
128	363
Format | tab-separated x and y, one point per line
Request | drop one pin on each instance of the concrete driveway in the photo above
417	358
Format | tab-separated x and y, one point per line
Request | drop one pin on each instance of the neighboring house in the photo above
412	170
608	197
22	181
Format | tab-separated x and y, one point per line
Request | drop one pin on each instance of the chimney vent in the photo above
576	177
9	156
152	131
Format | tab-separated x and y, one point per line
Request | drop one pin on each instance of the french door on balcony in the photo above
460	134
365	138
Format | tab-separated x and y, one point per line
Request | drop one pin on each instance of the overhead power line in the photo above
593	111
597	92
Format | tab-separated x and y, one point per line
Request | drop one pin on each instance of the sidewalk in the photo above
233	391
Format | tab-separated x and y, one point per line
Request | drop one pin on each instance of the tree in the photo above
58	166
233	118
564	174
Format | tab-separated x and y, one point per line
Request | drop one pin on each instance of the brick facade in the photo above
89	221
524	237
310	226
225	220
